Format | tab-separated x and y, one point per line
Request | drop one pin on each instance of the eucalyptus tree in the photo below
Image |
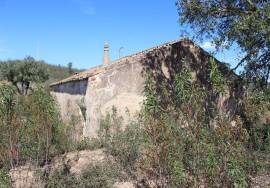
226	22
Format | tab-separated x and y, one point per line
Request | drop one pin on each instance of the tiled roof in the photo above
101	68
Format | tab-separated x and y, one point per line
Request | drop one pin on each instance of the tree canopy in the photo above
244	22
24	73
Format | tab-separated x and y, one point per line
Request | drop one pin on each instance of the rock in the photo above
29	176
26	176
262	180
77	162
123	185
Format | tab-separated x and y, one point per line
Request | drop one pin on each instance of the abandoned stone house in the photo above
90	94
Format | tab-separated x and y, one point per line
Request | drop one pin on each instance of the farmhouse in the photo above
86	96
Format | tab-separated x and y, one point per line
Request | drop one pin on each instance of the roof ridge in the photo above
149	50
100	68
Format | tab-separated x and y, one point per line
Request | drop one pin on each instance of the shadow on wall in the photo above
166	62
73	88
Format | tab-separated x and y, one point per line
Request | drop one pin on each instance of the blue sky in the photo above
62	31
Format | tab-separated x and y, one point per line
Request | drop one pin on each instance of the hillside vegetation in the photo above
180	138
176	140
51	72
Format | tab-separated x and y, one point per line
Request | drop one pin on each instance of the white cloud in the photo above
85	6
208	45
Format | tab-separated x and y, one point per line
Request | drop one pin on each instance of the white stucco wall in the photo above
120	87
70	98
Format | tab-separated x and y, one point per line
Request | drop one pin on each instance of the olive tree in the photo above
23	74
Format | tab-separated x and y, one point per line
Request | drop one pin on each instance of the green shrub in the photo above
45	127
9	123
178	175
189	142
31	129
97	176
122	143
257	118
5	180
237	174
125	146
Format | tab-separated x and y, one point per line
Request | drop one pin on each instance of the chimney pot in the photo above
106	56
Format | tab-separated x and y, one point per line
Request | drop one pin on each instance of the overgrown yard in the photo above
173	142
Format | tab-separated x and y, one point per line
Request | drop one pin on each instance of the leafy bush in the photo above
189	142
96	176
122	143
30	126
257	118
8	121
5	180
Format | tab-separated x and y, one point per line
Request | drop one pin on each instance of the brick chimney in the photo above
106	56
